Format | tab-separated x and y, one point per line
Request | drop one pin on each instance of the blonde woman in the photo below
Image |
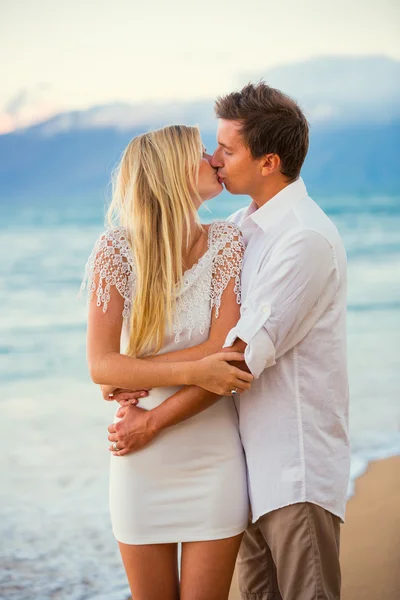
164	292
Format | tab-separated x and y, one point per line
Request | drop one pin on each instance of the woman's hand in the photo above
122	396
215	374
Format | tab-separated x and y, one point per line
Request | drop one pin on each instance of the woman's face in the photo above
209	186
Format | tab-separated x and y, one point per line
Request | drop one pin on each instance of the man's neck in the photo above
271	189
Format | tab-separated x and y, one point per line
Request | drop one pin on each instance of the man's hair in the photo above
271	122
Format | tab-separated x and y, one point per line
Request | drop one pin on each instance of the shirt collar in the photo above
275	209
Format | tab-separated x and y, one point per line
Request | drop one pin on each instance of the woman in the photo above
160	282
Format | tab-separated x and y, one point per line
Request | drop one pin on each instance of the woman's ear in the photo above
269	164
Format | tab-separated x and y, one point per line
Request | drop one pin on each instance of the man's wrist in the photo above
156	421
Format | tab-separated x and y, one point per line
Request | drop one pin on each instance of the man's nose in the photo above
215	161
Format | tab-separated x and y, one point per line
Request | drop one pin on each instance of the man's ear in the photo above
270	163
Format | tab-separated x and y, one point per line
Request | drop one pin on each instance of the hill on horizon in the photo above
354	145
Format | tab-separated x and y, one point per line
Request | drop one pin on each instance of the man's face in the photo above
237	169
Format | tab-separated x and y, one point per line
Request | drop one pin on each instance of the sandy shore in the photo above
370	538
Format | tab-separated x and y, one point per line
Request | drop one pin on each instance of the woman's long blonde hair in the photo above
153	192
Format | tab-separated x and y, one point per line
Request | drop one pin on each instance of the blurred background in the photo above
78	80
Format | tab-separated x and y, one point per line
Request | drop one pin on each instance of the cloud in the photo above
29	106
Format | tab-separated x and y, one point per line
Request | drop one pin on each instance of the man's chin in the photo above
229	188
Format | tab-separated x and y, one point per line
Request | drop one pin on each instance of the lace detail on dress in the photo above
228	262
111	259
204	284
193	297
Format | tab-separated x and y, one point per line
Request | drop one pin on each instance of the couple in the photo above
225	345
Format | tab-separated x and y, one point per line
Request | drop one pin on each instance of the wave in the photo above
370	447
377	306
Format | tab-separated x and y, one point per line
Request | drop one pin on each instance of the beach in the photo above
370	537
370	551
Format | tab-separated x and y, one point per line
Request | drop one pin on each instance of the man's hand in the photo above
135	430
123	396
215	374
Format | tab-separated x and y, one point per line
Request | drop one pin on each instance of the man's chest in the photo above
257	254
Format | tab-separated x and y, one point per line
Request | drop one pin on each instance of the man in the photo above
292	330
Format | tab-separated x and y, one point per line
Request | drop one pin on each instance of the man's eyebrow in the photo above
224	145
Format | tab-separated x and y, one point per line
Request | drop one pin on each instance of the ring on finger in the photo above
115	446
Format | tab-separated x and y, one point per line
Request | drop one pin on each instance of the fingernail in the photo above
143	394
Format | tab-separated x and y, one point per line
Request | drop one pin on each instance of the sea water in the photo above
55	532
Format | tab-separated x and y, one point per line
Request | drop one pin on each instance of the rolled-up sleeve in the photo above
286	297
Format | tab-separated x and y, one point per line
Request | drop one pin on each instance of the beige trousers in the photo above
291	554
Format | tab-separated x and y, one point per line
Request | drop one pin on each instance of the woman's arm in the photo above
219	328
108	366
211	346
110	273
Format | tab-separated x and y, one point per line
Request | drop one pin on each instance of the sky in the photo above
62	55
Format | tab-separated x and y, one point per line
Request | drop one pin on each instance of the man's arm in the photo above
294	288
189	401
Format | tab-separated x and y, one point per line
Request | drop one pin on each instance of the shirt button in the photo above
266	308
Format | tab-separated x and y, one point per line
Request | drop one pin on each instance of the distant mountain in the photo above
353	105
330	89
123	116
351	159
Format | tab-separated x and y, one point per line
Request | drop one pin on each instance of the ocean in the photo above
56	540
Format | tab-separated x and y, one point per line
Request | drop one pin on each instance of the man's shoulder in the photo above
311	217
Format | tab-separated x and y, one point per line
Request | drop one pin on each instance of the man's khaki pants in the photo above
291	554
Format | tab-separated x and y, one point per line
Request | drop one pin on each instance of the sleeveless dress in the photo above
190	483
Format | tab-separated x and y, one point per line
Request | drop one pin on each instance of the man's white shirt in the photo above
294	420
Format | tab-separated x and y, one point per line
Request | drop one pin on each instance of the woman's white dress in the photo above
190	483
